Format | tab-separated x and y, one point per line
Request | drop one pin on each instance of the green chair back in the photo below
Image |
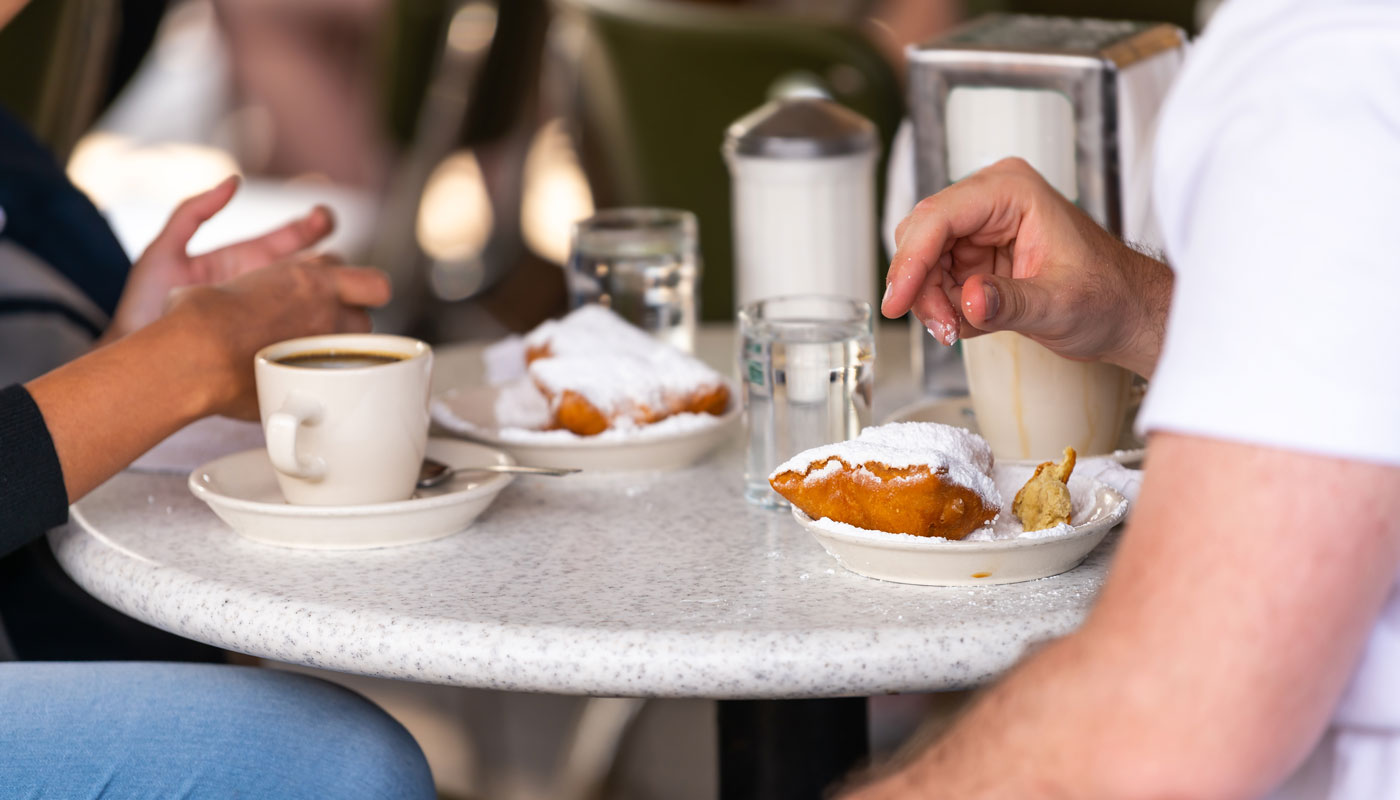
660	83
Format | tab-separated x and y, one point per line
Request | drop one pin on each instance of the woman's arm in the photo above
107	408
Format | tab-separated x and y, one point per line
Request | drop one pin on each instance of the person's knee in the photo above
142	729
335	743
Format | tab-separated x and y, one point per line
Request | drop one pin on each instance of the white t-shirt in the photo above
1278	190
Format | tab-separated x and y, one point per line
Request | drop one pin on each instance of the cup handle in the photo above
281	430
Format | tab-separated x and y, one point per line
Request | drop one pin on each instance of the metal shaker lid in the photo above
800	127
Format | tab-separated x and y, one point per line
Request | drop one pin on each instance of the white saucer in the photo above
670	444
940	562
958	411
242	490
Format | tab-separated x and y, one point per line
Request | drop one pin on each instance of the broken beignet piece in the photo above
1044	501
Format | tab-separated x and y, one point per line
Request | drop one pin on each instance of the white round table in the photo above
660	584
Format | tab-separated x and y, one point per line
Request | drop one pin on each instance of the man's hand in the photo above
1003	250
166	266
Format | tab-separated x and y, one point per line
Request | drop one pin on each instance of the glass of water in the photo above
807	363
643	263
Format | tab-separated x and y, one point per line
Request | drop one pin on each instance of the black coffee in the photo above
339	359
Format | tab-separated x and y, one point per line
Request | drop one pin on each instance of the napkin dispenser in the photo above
1076	98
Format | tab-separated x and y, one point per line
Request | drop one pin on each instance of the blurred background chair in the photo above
658	83
55	67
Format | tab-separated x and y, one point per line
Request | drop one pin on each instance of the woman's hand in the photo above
166	266
230	322
1003	250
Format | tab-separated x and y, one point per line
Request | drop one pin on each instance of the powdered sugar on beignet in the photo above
597	370
916	478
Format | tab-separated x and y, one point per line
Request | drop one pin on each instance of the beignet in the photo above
598	371
918	478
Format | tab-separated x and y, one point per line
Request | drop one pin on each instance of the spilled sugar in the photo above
519	404
504	360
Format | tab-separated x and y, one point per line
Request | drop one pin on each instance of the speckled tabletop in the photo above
662	584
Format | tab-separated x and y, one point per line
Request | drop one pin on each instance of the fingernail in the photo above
889	288
946	334
992	300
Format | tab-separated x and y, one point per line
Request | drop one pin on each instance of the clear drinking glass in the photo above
643	263
807	363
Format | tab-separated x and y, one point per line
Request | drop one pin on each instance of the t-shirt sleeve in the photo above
1278	185
32	496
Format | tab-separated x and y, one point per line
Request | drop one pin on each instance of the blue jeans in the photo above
155	730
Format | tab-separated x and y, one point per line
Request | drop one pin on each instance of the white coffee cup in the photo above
1031	403
342	431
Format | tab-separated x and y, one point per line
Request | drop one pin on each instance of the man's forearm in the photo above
1240	599
994	751
1054	728
107	408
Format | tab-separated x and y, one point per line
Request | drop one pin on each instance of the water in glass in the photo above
804	385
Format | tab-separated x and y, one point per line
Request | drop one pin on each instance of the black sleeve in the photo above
32	496
48	216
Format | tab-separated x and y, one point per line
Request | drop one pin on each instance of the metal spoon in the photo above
435	473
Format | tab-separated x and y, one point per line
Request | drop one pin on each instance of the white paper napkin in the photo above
200	443
1126	480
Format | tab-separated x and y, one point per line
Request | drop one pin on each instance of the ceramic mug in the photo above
345	416
1031	403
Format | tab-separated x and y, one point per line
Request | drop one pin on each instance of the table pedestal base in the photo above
788	749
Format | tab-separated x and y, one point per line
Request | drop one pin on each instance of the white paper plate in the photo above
470	412
242	490
940	562
958	411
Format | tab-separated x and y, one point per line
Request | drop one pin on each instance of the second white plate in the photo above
670	444
940	562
